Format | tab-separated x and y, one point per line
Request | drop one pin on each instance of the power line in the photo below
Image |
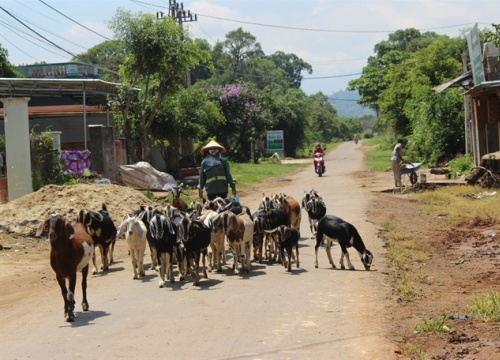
326	30
76	22
43	37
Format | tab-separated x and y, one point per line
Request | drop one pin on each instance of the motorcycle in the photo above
319	164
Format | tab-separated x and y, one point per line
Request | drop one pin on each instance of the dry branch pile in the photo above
483	177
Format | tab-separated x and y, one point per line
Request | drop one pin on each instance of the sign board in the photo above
275	141
475	56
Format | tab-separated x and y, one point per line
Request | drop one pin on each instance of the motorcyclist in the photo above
318	151
356	138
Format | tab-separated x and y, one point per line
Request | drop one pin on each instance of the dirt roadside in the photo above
449	285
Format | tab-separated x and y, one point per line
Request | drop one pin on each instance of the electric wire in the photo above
76	22
43	37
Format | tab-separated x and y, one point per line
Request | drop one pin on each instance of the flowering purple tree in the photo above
246	118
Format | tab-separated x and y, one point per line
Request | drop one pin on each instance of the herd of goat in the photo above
183	235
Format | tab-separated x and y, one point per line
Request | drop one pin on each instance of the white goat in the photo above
135	233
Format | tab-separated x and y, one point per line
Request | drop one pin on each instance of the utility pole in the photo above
176	11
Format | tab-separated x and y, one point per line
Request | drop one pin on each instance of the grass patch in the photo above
486	307
405	289
403	252
386	225
379	159
414	351
461	204
434	326
249	175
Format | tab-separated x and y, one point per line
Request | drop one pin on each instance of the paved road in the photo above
267	314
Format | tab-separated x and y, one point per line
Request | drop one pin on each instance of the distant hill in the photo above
345	103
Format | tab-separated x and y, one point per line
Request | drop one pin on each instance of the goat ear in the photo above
42	228
70	231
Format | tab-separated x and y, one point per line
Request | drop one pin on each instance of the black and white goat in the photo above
164	236
346	235
101	228
312	203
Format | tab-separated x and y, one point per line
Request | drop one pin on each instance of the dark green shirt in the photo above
215	175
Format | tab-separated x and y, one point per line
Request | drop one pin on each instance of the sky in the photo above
335	37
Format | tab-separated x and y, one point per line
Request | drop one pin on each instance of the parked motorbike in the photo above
319	164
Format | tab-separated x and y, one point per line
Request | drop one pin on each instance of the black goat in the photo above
334	228
288	239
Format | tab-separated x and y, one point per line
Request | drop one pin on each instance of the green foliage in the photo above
493	35
250	175
108	55
46	165
159	53
378	156
246	118
486	307
461	165
437	124
7	70
436	325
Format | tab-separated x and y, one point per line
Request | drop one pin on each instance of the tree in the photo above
7	70
160	53
108	56
189	114
293	67
245	118
430	66
398	48
437	124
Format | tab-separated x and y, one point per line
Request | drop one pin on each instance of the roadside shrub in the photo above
461	165
46	165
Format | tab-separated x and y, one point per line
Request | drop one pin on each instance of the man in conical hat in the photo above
215	175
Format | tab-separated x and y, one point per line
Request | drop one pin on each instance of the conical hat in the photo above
213	144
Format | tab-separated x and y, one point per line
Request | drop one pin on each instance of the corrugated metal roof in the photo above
461	78
30	87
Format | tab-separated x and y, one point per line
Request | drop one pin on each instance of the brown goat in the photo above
71	249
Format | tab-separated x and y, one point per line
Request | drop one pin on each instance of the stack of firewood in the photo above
483	177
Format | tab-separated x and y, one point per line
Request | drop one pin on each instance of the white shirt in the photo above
395	156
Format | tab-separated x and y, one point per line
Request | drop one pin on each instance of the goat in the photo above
292	208
259	224
164	236
146	213
274	218
101	228
196	237
71	249
239	232
135	233
313	217
288	238
177	202
316	209
217	249
334	228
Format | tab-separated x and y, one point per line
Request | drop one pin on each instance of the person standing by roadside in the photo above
397	159
215	175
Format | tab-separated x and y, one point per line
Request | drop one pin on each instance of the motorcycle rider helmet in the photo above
318	144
